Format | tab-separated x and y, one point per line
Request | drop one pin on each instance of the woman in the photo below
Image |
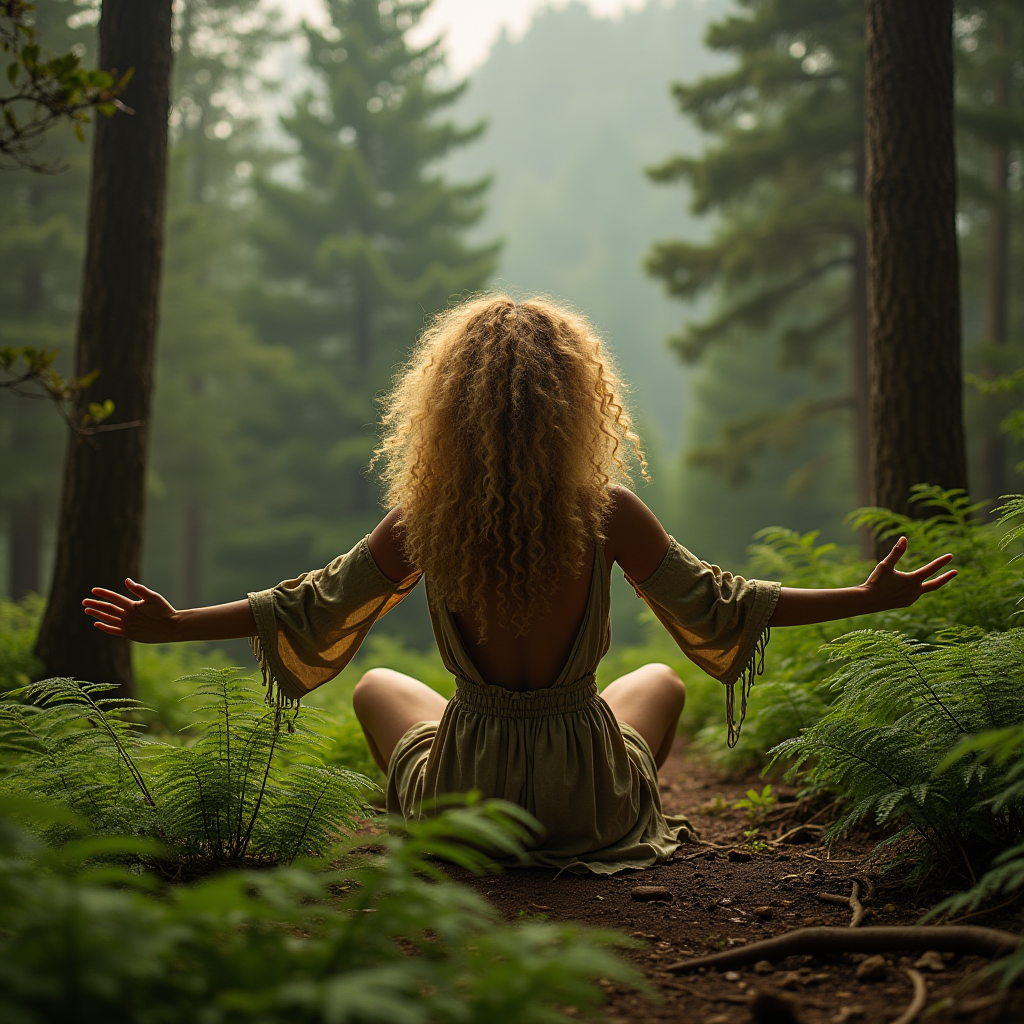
505	449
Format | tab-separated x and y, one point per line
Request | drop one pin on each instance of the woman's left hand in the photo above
887	587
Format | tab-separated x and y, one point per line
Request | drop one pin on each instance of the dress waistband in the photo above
484	699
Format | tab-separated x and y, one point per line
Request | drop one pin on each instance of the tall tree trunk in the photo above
916	401
101	516
858	307
997	293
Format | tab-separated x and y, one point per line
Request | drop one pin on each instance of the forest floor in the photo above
723	895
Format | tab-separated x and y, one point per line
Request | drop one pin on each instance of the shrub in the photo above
796	691
371	941
883	744
248	786
916	737
19	624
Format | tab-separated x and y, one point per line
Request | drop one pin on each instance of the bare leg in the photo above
651	700
387	703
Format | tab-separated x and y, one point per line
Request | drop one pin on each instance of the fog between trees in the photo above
263	403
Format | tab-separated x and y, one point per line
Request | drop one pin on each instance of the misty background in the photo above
262	430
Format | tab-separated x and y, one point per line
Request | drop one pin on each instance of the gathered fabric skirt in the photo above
560	754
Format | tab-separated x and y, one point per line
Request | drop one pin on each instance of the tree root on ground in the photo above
913	1011
852	901
710	997
966	939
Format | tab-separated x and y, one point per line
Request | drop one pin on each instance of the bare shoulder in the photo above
387	547
634	536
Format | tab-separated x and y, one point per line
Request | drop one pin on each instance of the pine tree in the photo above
353	256
785	175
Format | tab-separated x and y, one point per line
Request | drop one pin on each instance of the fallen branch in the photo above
911	1013
967	939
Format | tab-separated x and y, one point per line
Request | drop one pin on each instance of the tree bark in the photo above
993	455
916	402
100	527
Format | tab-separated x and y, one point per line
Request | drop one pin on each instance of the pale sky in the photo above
470	27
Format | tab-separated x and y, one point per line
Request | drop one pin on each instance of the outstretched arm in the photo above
149	618
885	588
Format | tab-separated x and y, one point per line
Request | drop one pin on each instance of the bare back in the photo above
533	660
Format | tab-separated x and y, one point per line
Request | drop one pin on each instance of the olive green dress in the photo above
559	752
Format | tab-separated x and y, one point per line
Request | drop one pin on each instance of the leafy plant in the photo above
19	623
883	745
796	691
757	805
45	90
988	586
370	941
754	841
246	786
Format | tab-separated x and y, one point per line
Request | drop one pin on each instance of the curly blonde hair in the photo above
501	437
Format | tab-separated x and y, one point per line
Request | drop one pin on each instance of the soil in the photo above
719	890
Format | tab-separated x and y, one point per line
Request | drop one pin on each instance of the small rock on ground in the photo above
873	969
649	893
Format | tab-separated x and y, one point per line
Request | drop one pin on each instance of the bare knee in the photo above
667	679
367	690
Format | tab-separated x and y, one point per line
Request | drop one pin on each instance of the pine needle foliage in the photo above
247	785
372	941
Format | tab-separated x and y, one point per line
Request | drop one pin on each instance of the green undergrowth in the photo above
912	718
921	735
384	939
796	689
246	784
163	682
19	624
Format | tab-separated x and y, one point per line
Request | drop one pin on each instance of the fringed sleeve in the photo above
719	621
309	628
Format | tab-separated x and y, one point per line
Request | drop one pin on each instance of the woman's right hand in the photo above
149	619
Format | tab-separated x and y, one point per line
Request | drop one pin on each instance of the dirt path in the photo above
719	900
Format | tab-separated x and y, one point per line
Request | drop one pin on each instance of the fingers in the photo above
926	570
110	616
899	549
939	581
112	630
144	593
112	596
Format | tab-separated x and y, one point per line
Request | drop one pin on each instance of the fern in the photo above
69	743
988	586
289	945
246	785
884	743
